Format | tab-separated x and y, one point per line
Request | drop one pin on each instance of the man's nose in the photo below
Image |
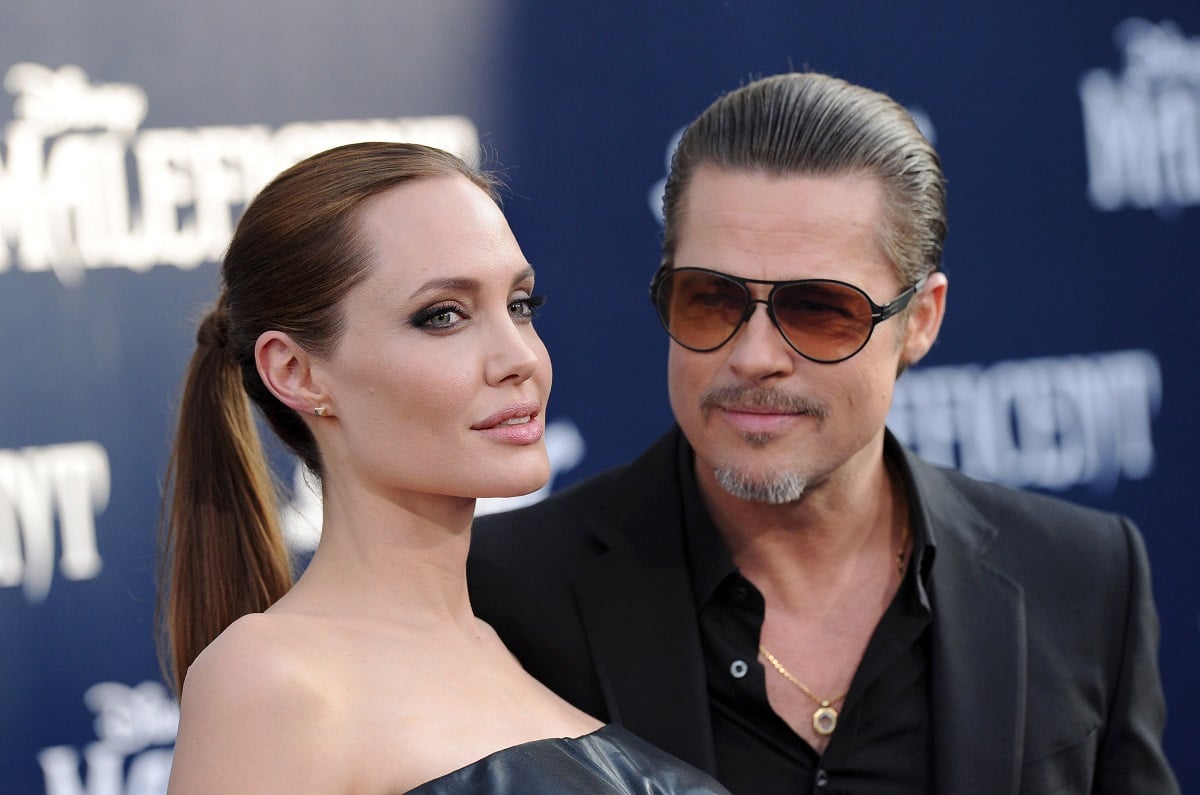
759	349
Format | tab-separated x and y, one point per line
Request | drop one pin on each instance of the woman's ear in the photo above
286	369
925	315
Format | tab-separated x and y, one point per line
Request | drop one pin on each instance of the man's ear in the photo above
925	315
286	369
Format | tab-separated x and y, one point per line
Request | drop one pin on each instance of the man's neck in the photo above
831	535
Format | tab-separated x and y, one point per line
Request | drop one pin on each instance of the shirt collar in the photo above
707	556
924	540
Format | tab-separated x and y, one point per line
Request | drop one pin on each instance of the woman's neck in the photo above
397	558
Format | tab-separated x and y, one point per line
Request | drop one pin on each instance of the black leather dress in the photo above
609	760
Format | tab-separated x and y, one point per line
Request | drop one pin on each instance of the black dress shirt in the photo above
882	740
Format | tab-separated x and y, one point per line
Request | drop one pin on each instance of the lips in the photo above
519	413
514	424
759	410
758	420
517	420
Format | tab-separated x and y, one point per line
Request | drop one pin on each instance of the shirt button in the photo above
822	779
738	669
740	593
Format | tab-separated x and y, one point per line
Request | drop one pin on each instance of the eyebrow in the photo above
465	283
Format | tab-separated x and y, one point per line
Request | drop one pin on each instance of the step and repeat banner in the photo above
133	133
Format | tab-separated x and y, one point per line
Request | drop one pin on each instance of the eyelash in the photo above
424	318
530	306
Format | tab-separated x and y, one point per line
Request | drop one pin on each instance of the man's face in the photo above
766	423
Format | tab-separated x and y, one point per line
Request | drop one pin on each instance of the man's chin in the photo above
770	488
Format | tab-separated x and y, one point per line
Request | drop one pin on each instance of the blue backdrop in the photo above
134	132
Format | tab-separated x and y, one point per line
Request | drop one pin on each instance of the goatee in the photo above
773	489
777	488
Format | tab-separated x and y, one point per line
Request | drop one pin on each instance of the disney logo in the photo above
59	100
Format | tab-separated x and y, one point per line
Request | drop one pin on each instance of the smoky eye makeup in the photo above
448	313
526	308
444	314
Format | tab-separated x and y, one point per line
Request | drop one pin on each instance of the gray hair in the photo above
816	125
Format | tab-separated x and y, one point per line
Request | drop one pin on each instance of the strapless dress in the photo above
609	760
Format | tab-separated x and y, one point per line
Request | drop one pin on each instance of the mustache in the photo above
774	400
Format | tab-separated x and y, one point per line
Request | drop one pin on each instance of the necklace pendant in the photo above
825	719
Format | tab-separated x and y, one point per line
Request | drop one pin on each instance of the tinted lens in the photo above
824	320
700	310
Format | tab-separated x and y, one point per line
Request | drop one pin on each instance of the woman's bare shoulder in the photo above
259	658
258	706
259	644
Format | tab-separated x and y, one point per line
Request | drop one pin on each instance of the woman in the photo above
377	310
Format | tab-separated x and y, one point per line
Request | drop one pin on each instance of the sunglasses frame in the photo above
878	313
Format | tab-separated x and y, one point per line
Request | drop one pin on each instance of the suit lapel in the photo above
639	614
978	649
646	650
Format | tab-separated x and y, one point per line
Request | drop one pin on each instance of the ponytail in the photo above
224	554
297	252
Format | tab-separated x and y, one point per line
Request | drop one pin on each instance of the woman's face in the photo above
438	383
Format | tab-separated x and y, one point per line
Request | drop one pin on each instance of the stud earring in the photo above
319	411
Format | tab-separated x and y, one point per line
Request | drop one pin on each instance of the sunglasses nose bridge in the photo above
748	312
751	301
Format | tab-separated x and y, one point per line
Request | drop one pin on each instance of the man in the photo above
776	591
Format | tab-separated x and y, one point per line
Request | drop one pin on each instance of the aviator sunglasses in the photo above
823	320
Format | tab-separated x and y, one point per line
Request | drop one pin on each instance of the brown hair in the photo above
813	124
296	252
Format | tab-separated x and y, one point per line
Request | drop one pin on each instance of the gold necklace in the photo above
825	717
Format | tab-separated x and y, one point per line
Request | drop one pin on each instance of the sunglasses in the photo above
823	320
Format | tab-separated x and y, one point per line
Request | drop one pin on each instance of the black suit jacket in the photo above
1044	635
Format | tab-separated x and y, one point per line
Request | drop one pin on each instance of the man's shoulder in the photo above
1019	525
614	490
1000	500
569	504
575	525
